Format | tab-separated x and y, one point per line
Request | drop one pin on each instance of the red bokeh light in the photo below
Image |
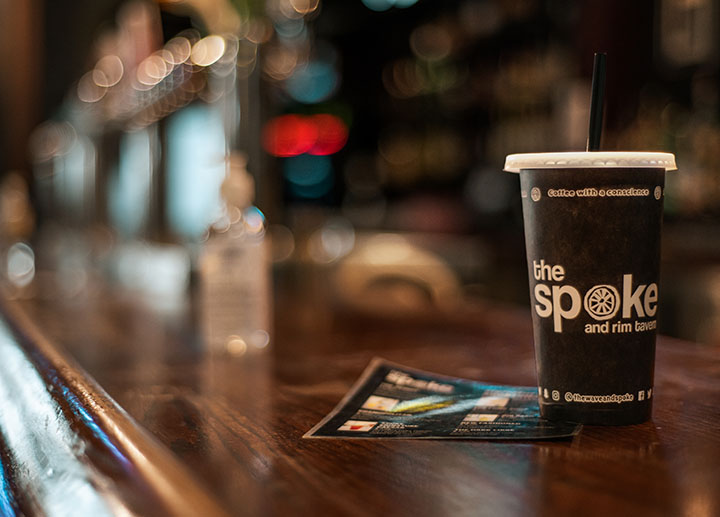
293	135
289	135
332	134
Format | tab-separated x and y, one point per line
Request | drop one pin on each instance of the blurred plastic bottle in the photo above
235	272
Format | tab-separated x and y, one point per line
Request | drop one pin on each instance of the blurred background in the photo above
373	133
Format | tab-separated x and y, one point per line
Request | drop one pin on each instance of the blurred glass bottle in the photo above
235	271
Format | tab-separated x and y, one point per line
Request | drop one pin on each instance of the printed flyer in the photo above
393	401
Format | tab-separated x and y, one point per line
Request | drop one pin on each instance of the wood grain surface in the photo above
237	422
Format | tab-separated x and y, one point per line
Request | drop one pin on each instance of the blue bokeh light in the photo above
309	176
313	83
404	3
129	200
384	5
196	168
378	5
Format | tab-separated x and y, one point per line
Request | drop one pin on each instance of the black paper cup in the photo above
592	232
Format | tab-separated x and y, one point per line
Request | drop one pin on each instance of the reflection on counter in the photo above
43	442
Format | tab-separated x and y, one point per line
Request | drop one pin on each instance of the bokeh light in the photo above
305	6
88	91
195	157
259	338
378	5
289	135
403	79
246	53
406	78
281	10
279	62
180	49
334	240
254	221
312	83
282	241
332	134
236	345
51	139
152	70
20	264
128	198
259	31
108	71
431	42
309	176
400	147
208	50
384	5
293	135
291	28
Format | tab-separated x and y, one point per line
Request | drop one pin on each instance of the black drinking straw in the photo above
597	101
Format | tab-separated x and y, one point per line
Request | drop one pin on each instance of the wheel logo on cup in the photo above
535	194
602	302
658	192
556	395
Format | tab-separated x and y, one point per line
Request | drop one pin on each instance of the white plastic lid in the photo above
515	162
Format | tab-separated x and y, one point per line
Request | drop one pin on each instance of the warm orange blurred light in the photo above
305	6
208	50
88	91
179	49
280	62
108	71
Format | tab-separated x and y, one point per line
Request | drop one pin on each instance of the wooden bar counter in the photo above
195	435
